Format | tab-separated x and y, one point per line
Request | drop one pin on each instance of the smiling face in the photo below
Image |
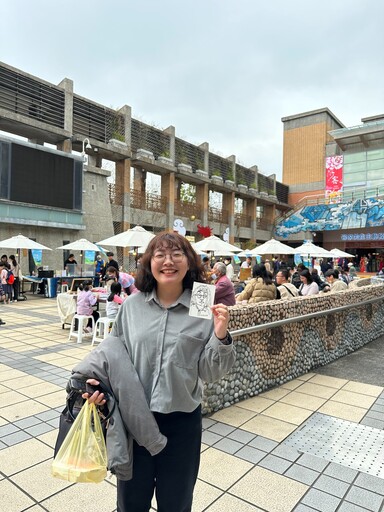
169	266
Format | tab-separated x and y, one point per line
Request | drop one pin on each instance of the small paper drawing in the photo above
203	297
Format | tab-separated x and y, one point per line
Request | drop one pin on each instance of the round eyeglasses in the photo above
175	256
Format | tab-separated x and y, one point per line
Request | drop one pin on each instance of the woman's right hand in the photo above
96	398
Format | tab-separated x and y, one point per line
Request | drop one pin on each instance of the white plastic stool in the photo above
64	288
81	333
102	329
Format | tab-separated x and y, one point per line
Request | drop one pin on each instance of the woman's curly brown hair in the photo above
145	282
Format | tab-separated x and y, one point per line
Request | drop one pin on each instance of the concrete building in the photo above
61	128
335	176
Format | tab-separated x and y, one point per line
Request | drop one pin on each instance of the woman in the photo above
85	302
172	353
126	280
260	288
308	285
15	267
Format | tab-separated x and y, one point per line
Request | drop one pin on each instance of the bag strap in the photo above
76	391
288	289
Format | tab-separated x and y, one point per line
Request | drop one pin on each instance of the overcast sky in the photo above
220	71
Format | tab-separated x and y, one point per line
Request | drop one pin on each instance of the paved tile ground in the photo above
246	464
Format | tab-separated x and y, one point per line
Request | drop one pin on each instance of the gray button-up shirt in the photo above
171	351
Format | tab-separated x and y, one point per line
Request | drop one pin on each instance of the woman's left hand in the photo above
220	320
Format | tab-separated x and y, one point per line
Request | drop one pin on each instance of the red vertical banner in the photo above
334	178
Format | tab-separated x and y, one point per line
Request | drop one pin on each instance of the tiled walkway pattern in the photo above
246	466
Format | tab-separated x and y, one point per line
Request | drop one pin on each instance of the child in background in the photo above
85	302
114	300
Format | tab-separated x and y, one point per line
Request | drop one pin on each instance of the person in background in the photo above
4	267
247	263
267	264
85	302
99	265
287	290
325	265
126	280
230	269
224	290
172	353
295	277
317	279
114	301
334	284
4	259
110	263
15	267
260	288
207	267
70	261
308	286
352	271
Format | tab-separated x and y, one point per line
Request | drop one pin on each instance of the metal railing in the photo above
187	209
218	215
302	318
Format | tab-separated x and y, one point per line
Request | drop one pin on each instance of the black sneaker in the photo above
1	322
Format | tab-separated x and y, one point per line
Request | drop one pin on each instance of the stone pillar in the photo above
229	204
205	147
126	111
270	214
67	85
232	159
122	183
255	169
172	142
139	179
202	200
273	178
250	209
168	189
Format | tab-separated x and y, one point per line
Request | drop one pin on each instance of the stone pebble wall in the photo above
268	358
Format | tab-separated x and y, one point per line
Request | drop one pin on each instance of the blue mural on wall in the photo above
360	213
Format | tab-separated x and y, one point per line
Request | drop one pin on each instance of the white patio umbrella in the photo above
222	254
215	244
21	242
80	245
247	254
310	249
272	247
134	237
197	251
338	253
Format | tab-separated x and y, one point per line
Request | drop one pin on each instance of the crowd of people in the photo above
10	276
274	279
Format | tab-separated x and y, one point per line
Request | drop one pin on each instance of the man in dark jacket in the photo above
110	263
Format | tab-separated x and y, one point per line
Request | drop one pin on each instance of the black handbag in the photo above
75	402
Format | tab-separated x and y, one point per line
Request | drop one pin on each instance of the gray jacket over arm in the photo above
110	363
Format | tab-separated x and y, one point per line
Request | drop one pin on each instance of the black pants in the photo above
16	288
171	474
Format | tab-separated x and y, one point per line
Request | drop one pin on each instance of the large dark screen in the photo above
41	177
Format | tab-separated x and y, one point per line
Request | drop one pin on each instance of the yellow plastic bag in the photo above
83	455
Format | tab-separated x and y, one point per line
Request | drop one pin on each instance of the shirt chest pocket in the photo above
187	351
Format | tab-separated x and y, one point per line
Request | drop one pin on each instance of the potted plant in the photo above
165	158
229	180
144	154
216	176
253	189
241	185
